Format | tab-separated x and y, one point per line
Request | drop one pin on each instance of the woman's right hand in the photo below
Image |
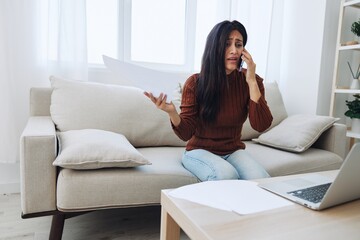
160	102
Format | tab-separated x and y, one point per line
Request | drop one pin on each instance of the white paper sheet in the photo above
146	79
242	197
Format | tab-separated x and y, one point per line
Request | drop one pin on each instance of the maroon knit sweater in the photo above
223	136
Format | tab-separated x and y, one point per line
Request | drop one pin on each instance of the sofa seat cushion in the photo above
278	162
115	187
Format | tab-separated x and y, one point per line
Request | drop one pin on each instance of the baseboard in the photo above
7	188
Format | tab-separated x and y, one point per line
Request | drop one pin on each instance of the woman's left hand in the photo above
250	76
251	67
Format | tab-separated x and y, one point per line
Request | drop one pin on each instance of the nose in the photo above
232	49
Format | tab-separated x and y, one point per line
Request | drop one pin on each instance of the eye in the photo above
228	43
239	45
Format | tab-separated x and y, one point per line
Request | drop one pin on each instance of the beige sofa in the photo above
71	106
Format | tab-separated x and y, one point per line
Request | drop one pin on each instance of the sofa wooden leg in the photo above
57	226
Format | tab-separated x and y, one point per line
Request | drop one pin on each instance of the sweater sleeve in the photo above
260	116
188	115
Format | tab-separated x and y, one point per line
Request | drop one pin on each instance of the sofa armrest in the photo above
37	174
334	140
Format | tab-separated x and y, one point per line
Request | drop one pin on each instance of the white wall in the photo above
328	57
301	54
298	49
273	67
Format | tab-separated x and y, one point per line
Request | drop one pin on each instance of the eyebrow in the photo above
237	39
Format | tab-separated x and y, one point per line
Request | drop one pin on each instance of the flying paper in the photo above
146	79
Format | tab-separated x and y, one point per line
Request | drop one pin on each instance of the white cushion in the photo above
296	133
114	108
93	149
277	108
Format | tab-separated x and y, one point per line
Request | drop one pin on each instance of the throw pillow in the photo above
296	133
93	149
119	109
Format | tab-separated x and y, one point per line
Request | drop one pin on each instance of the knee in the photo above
214	174
254	174
225	174
209	172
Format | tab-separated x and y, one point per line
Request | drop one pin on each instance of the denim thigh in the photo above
208	166
246	166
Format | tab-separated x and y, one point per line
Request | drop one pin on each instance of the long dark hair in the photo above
212	75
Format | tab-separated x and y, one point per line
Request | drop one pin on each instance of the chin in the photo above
231	69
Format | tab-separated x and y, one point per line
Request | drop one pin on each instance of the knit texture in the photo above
223	136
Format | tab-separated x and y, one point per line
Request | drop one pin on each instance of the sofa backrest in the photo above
121	109
40	100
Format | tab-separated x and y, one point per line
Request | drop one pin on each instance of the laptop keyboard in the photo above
312	194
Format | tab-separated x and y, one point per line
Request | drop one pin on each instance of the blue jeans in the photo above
207	166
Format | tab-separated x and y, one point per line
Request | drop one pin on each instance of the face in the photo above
234	48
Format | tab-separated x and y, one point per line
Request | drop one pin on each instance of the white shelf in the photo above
352	3
352	134
350	47
348	91
352	50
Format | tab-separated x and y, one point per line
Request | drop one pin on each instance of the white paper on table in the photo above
146	79
242	197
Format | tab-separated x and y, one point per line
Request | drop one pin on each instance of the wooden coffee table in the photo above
291	222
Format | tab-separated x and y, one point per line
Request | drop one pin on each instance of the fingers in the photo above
160	101
246	56
162	104
150	96
245	52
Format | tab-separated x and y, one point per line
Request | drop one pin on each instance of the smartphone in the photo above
240	64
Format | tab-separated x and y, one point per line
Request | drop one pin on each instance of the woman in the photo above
215	104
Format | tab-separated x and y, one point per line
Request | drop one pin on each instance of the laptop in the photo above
318	192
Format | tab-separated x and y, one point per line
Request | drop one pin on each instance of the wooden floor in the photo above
121	224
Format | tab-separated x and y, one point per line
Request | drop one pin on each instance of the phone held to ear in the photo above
240	64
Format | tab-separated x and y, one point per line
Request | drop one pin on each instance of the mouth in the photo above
232	59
